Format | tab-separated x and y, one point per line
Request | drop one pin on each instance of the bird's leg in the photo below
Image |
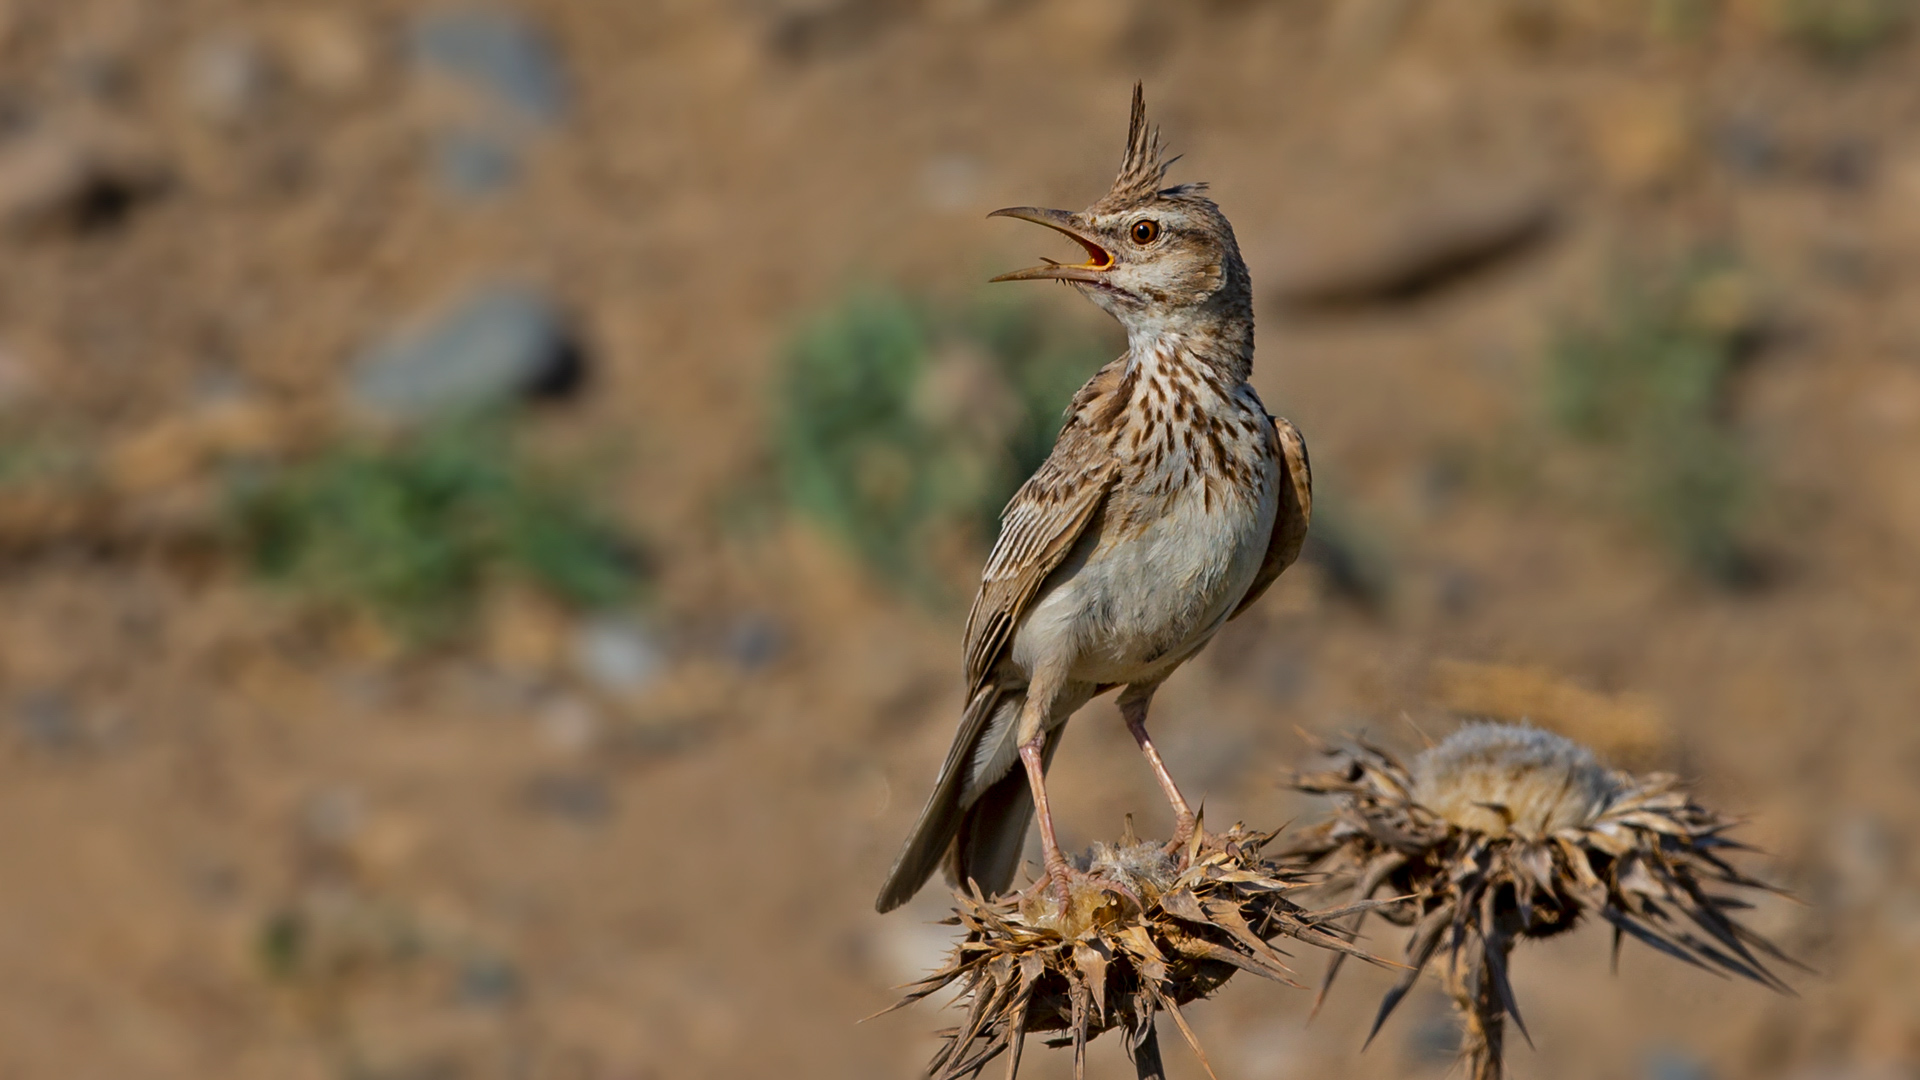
1133	709
1057	872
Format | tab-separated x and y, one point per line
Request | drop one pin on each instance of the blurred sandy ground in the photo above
647	846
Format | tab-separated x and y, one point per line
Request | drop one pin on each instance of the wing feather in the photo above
1290	521
1042	523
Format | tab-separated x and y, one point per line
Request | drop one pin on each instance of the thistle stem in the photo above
1146	1056
1482	1016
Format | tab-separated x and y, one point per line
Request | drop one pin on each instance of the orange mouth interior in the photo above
1098	258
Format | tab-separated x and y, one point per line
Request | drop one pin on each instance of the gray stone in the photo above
1747	146
474	164
583	799
755	641
497	52
487	980
227	78
497	345
48	720
333	816
617	655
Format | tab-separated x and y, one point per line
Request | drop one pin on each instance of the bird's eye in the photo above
1146	232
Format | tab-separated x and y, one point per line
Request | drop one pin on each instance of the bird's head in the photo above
1155	254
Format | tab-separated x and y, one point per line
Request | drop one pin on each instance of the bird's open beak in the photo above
1099	259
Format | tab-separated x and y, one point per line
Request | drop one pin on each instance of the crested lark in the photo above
1170	502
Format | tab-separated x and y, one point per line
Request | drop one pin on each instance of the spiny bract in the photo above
1137	936
1504	831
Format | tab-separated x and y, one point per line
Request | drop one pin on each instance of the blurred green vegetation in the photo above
1844	31
413	530
904	425
29	456
1648	383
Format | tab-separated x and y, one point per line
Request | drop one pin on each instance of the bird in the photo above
1170	502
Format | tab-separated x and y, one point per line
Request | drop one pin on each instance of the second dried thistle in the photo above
1503	832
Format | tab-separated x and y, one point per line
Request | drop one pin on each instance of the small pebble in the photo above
473	164
227	78
47	720
617	655
497	52
497	344
585	800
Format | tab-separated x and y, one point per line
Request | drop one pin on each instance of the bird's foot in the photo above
1186	826
1069	900
1059	876
1053	890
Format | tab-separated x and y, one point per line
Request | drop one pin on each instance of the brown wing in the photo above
1042	522
1039	527
1290	521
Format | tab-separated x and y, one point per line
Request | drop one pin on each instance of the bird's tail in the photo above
983	839
993	831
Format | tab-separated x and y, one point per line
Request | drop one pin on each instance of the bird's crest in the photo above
1142	171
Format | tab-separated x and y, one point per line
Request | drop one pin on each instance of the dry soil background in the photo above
232	845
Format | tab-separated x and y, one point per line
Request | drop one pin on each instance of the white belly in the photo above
1129	609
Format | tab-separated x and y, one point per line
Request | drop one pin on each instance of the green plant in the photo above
903	424
1843	31
413	530
1649	383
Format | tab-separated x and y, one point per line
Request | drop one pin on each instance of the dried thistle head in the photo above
1502	832
1138	935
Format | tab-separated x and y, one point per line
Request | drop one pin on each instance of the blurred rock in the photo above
497	344
333	817
71	181
487	980
617	655
1404	251
1747	146
579	798
227	78
496	52
569	724
474	164
755	641
104	75
47	721
1847	165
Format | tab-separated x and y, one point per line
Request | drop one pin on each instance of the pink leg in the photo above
1133	709
1056	864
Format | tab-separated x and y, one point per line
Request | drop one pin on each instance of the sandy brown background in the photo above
510	871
